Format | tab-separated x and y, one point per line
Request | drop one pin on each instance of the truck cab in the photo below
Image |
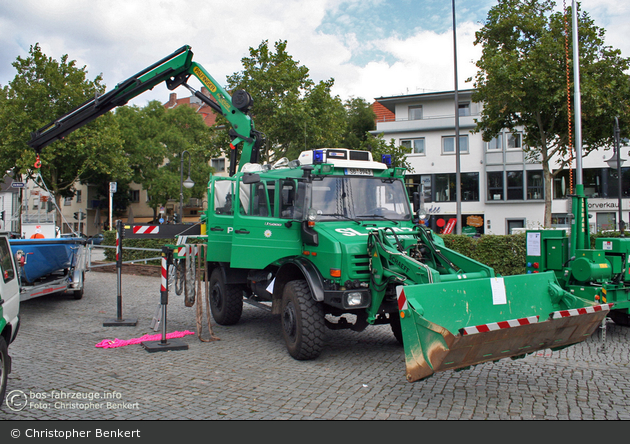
308	221
9	310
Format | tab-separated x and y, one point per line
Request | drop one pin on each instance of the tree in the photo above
361	120
43	90
291	110
154	140
522	82
379	147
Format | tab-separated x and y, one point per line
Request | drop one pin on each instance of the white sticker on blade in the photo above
498	291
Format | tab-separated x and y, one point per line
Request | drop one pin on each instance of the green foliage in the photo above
291	110
522	81
377	146
360	120
155	140
505	254
43	90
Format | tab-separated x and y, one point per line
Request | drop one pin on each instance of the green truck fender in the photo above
295	268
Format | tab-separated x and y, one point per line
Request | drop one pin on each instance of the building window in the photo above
495	144
514	140
67	201
470	187
448	144
415	146
464	109
134	195
445	187
78	194
514	185
511	224
495	185
415	112
606	221
560	220
535	188
218	165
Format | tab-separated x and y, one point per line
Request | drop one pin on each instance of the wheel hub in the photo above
288	320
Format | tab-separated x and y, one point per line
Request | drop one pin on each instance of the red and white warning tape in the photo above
492	326
146	229
579	311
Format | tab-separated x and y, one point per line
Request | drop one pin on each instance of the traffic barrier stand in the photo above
164	344
119	321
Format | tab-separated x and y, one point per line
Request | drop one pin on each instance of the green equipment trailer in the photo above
330	241
600	274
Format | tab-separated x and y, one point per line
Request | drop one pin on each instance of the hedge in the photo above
506	254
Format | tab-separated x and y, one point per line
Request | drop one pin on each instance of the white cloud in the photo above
121	37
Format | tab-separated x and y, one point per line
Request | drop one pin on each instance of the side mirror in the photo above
416	201
251	178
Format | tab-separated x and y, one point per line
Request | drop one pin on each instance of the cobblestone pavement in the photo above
248	375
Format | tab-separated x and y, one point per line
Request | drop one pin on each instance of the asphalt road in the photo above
248	375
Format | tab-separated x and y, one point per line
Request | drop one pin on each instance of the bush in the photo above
505	254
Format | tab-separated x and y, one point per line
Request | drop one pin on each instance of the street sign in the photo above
17	184
113	187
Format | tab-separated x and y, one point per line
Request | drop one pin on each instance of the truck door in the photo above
9	287
220	219
261	235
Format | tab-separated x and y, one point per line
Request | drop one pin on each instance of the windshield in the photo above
358	198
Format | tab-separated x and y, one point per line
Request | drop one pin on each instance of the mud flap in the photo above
454	325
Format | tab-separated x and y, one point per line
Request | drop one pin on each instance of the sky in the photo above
371	48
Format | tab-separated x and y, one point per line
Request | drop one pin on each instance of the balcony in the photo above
429	123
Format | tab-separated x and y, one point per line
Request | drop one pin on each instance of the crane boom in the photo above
175	71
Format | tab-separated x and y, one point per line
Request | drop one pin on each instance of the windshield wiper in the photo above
379	215
340	215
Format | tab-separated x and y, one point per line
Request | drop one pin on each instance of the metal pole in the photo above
181	188
619	177
166	256
458	184
119	261
119	321
578	101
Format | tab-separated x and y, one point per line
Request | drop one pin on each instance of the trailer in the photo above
53	265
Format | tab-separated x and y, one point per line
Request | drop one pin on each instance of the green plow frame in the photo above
454	325
455	313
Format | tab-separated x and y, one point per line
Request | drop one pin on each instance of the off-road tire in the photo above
303	323
620	318
4	368
226	301
394	323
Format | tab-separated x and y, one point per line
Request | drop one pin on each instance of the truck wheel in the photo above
226	301
303	326
4	368
394	323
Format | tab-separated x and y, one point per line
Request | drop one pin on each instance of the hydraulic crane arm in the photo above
174	70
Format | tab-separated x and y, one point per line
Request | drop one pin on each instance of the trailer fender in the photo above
299	268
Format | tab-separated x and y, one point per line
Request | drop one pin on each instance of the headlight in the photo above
353	299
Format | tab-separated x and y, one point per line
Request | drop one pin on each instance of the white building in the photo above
501	189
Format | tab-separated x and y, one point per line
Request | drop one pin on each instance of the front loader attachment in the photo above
454	325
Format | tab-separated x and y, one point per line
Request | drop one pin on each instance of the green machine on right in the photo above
600	274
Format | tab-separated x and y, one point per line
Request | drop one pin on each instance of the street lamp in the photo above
615	163
188	183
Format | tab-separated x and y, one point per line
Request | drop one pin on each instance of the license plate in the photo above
358	172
